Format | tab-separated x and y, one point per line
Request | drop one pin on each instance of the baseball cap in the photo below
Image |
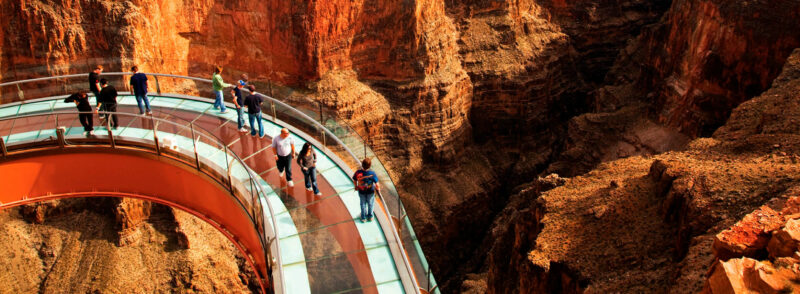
242	83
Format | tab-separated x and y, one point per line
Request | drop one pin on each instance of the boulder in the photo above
786	241
748	237
746	275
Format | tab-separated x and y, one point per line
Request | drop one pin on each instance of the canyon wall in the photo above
680	222
703	59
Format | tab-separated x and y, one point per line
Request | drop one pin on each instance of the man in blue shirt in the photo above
366	182
139	85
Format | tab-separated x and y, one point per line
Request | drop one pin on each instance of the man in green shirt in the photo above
219	84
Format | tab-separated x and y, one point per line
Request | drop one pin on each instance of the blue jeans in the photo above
219	102
253	118
367	203
284	163
139	99
310	177
240	120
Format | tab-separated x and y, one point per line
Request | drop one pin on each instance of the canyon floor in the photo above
74	246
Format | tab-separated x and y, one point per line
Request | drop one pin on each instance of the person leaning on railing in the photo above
219	85
81	100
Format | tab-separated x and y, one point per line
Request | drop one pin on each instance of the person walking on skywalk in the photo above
108	102
283	146
366	182
219	84
308	163
139	85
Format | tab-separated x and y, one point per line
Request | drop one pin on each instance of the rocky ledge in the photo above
659	223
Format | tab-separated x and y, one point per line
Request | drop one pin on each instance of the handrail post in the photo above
428	276
274	115
60	136
324	137
3	149
110	133
321	121
230	181
194	145
20	94
155	135
158	86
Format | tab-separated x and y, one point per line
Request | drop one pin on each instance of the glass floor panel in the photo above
29	108
9	111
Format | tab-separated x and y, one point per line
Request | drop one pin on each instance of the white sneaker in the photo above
290	183
308	189
149	113
280	174
91	133
242	130
319	194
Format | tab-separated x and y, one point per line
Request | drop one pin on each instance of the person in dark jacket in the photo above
308	163
94	82
108	102
139	85
253	104
85	116
238	101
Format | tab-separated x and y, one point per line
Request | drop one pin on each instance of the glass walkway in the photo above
304	243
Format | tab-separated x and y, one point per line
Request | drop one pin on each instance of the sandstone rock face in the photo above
130	214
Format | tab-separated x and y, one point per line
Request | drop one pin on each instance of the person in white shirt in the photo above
283	147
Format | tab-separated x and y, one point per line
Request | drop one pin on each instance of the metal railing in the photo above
332	134
181	141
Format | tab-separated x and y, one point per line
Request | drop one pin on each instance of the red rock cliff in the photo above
706	57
